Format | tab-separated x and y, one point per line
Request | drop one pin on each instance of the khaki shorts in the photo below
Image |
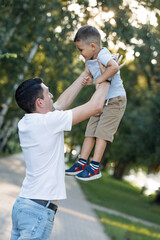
105	124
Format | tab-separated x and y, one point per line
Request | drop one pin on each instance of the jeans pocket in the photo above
48	225
30	223
36	223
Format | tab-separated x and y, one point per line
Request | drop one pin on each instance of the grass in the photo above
121	196
119	228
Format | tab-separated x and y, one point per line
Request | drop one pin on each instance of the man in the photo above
41	134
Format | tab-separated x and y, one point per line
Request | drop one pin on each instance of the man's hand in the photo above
87	80
101	66
118	60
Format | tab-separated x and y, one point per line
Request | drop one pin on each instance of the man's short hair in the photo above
88	34
27	93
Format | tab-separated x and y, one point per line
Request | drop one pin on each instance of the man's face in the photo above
47	99
86	50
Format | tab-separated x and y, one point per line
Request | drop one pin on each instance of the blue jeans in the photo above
31	220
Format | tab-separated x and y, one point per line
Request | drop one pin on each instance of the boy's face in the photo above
86	50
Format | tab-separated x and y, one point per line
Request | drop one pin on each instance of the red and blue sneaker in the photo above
89	174
75	169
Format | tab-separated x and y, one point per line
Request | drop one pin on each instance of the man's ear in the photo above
38	103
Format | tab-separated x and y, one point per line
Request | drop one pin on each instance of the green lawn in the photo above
119	228
121	196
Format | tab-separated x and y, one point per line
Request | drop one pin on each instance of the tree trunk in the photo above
4	110
8	133
12	30
20	78
157	199
119	170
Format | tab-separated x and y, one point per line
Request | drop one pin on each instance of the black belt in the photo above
44	203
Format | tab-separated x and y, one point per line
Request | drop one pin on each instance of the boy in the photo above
102	127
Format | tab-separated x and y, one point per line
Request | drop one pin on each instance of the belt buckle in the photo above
53	206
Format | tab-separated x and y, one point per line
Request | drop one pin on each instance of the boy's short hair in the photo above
27	93
88	34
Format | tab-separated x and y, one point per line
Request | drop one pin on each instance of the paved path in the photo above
12	172
75	219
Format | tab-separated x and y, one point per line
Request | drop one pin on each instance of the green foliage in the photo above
40	33
137	139
46	29
8	55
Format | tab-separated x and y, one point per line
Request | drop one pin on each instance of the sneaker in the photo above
76	168
89	174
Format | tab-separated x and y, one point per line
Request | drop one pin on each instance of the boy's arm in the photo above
111	69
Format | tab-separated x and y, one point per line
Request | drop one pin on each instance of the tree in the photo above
41	34
37	33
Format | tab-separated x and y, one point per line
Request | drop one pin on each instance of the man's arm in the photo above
93	106
111	69
67	97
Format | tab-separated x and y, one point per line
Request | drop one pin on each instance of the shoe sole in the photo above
72	173
90	178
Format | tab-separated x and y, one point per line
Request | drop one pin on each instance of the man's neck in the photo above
41	111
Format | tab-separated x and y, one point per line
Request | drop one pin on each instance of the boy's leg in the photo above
87	147
79	166
92	171
99	149
106	129
88	144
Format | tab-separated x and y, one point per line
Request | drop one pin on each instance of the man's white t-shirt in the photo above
42	142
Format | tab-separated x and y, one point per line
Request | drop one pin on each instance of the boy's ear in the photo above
93	45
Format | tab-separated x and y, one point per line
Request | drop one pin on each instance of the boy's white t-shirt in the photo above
42	142
116	88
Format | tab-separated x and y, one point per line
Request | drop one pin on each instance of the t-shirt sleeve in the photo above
58	121
105	58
